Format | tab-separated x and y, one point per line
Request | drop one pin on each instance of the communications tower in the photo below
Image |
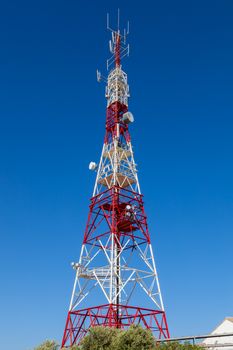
116	282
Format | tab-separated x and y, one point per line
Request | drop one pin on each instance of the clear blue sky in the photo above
52	114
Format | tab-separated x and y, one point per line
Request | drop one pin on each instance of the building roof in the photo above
220	325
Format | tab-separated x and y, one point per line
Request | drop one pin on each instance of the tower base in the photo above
112	315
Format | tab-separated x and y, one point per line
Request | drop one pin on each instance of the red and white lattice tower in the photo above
116	283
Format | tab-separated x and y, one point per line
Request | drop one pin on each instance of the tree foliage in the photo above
178	346
106	338
48	345
99	338
134	338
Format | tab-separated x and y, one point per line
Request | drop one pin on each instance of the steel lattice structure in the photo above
116	264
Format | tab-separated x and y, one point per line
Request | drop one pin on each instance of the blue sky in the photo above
52	114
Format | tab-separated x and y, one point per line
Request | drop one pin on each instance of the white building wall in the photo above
225	327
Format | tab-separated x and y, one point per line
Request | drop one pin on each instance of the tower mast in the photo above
116	264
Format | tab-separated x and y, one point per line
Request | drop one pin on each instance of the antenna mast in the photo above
116	266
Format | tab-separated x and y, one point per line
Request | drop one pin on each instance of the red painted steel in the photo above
110	207
113	315
118	51
113	117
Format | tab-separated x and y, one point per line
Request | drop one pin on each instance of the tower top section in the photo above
117	89
117	45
